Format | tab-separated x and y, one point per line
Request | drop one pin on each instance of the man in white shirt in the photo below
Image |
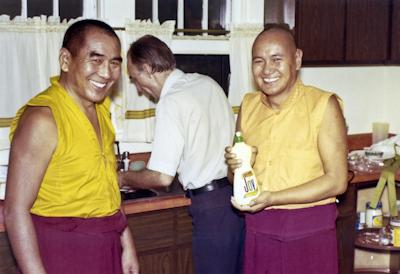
194	123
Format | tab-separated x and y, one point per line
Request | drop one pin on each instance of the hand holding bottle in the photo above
234	162
263	201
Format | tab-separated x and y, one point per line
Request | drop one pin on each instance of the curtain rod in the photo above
211	31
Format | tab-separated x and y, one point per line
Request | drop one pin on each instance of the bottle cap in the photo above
395	222
378	206
125	155
238	137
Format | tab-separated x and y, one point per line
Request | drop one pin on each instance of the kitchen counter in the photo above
164	200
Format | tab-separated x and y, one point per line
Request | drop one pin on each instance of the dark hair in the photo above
152	51
75	34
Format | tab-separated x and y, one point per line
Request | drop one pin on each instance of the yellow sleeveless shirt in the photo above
286	139
81	179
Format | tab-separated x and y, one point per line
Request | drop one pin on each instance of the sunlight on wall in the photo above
370	94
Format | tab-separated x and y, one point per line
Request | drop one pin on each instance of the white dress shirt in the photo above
194	124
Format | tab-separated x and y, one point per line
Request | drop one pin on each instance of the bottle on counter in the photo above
245	187
125	160
360	223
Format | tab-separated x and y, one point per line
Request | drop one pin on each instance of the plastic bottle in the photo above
125	160
245	187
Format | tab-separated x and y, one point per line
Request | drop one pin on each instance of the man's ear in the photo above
299	58
148	70
65	59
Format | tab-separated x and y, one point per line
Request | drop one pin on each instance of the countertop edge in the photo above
153	204
135	206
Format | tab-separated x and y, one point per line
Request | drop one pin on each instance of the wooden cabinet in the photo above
345	229
7	261
320	30
395	32
348	31
367	31
163	241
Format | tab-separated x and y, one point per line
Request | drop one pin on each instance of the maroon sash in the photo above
71	245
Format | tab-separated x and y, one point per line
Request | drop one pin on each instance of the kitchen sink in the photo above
137	194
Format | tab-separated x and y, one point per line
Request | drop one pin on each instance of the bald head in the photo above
282	35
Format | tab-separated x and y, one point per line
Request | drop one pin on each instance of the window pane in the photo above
40	7
215	66
143	9
10	7
216	14
193	12
70	9
167	10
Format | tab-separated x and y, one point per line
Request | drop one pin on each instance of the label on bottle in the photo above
374	218
250	185
377	221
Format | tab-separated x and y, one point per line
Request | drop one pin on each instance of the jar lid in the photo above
378	206
395	222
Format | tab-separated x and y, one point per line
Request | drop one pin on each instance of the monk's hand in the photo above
231	159
264	200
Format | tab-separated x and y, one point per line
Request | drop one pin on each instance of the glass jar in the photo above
395	228
374	216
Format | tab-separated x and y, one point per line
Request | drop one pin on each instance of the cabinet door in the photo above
320	30
163	241
395	47
367	31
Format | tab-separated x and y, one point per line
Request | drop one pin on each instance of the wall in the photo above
370	93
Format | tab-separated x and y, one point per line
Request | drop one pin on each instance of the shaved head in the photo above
281	32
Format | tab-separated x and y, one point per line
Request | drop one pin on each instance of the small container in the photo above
360	220
125	160
374	216
395	228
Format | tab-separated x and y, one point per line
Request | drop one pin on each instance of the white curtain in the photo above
29	57
134	114
241	80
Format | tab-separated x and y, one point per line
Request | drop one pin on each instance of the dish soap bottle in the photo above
245	187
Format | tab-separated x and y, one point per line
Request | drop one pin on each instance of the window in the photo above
199	16
40	7
215	66
67	9
143	9
216	14
167	10
71	9
10	7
